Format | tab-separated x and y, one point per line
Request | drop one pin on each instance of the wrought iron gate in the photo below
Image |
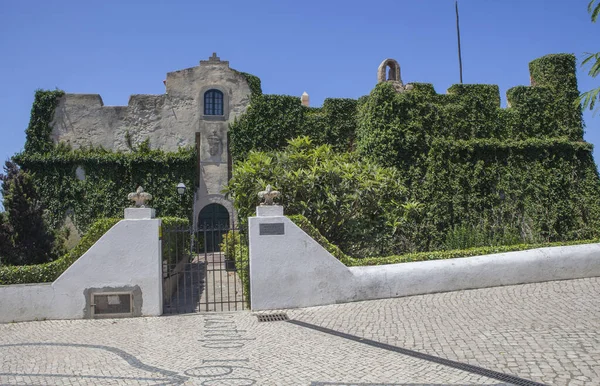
205	270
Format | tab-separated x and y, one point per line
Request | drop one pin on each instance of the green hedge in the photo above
307	227
48	272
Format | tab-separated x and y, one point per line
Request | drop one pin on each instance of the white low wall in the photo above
292	270
127	256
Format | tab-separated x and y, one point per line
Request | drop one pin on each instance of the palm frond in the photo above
589	99
594	10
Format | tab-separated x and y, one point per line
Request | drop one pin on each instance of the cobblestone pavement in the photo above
547	333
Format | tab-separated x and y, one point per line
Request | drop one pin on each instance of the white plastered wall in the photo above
127	256
293	270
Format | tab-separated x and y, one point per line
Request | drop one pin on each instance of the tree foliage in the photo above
347	199
24	234
589	98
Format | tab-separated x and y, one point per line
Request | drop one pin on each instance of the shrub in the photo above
25	237
347	199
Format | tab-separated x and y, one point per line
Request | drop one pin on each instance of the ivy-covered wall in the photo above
473	163
100	187
271	120
521	171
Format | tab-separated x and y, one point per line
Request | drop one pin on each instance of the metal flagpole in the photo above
458	34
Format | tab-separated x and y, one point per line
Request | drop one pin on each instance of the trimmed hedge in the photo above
48	272
307	227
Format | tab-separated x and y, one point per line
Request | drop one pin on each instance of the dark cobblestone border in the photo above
415	354
400	384
173	378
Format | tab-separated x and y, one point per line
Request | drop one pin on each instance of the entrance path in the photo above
547	332
223	290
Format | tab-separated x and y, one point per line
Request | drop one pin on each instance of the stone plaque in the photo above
112	304
276	228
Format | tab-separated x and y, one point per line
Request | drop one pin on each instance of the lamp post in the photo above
181	189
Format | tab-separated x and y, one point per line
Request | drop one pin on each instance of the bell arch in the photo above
393	75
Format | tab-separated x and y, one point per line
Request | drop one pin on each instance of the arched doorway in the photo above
213	223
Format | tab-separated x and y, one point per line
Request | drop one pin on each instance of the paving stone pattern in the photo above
546	332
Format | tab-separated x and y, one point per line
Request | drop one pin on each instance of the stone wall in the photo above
126	259
289	269
169	120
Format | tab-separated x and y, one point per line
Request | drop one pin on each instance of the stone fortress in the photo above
198	105
196	109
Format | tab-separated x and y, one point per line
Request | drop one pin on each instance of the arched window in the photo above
213	102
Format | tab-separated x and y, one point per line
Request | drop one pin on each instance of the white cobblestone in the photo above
546	332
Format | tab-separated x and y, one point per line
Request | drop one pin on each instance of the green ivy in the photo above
39	129
271	120
48	272
524	170
253	83
109	177
557	74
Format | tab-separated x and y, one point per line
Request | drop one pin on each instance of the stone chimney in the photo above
305	99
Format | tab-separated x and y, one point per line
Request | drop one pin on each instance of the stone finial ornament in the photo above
268	195
214	60
305	99
140	197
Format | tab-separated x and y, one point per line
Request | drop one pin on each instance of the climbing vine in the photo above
42	113
475	173
105	178
271	120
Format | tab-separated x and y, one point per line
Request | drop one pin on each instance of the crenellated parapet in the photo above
168	121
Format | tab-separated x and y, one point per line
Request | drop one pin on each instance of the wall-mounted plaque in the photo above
276	228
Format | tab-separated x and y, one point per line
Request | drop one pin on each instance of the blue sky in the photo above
327	48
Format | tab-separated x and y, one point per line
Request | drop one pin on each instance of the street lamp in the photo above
181	189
